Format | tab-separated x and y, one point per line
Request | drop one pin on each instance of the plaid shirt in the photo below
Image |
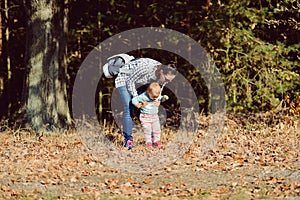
142	72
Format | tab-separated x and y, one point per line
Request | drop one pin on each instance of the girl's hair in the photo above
167	69
154	87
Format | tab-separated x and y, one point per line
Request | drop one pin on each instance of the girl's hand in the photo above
166	97
157	103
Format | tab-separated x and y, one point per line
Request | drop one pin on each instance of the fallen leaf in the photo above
147	180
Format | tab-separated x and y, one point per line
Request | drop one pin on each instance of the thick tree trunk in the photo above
47	105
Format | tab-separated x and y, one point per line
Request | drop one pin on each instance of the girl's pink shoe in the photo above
149	145
157	144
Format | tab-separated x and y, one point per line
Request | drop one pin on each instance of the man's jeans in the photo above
127	112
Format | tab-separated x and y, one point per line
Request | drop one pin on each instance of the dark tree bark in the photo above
1	60
47	107
4	96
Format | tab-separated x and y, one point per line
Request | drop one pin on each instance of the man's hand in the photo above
157	103
141	104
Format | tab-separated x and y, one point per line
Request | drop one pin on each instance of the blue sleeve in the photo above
140	98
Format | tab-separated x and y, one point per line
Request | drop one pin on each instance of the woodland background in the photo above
255	45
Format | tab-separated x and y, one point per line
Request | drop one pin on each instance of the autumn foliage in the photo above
256	156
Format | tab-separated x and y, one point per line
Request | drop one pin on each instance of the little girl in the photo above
149	102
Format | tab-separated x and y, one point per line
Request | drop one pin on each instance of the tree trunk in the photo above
1	32
47	107
3	60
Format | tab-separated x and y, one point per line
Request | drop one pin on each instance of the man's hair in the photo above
167	69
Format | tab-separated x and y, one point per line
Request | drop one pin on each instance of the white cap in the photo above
105	71
126	57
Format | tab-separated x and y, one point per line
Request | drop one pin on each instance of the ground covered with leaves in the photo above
255	157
